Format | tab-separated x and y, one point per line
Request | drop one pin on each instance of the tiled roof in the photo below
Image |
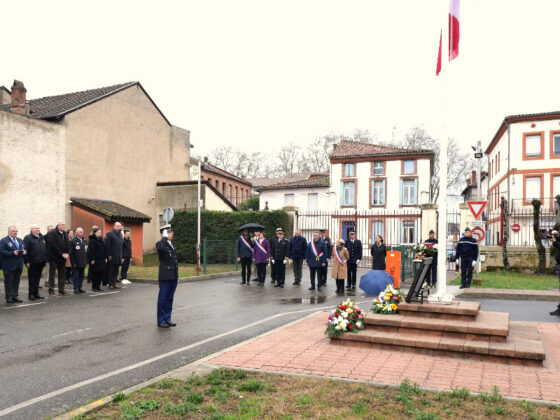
109	209
60	105
292	177
348	148
5	89
315	180
214	169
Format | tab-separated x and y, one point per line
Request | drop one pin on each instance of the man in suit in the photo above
272	240
13	251
298	249
79	260
279	251
354	247
114	247
323	271
316	258
127	255
57	249
167	278
35	260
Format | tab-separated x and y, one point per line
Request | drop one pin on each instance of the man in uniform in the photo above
167	278
57	249
354	247
35	260
272	240
12	251
114	247
279	251
324	269
432	275
467	250
316	258
555	239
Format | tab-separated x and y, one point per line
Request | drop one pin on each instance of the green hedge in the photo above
221	225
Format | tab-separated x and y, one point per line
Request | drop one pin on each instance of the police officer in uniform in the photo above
167	278
432	276
323	272
272	240
279	251
354	247
467	250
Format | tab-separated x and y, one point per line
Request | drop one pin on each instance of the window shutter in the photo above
415	192
401	193
342	193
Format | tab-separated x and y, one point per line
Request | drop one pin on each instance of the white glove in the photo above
357	262
272	261
474	263
284	261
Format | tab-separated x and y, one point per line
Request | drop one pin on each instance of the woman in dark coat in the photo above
97	257
378	252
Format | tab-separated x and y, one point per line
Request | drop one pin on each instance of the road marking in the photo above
103	294
21	306
77	385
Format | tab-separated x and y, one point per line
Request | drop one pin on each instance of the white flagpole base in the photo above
441	297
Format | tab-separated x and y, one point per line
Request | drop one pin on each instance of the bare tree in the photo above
288	159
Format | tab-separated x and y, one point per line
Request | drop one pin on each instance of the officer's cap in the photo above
278	230
431	232
467	229
166	227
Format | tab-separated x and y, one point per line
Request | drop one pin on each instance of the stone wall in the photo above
519	257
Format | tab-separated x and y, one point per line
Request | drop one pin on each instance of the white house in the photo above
523	164
310	194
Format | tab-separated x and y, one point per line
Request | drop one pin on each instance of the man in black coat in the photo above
555	239
78	259
272	240
12	251
432	274
167	278
57	248
114	248
126	254
467	250
35	260
355	250
328	243
279	251
298	250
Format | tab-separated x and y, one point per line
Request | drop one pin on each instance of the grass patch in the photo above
151	266
230	394
505	280
119	397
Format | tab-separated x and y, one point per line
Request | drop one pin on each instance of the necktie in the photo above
15	243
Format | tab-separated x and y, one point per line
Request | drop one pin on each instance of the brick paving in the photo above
303	348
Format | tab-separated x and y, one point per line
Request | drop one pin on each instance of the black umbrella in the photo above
251	227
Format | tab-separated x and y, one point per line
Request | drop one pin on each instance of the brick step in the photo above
456	310
487	326
524	345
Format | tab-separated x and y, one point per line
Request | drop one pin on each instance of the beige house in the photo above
111	143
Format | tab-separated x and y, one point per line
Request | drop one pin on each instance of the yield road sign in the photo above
478	234
477	207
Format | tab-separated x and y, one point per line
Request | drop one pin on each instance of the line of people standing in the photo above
66	253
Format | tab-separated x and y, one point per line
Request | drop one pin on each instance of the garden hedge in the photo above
221	225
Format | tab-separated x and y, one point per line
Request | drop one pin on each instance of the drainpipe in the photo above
509	166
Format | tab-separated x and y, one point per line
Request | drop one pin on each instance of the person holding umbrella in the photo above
245	255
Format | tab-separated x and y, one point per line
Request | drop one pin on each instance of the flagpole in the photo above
442	296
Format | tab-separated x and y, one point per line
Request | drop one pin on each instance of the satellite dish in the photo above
168	214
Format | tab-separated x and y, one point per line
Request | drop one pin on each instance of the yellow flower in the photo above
386	297
349	310
389	294
394	307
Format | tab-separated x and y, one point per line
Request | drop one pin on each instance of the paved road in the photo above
64	352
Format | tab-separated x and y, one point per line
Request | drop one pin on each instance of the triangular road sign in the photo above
477	207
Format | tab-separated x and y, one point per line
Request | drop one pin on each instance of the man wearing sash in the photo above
329	247
245	256
354	247
261	254
339	271
316	258
279	251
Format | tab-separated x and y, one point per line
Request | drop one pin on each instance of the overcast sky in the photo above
258	74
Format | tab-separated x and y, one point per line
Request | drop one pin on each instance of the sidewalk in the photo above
302	348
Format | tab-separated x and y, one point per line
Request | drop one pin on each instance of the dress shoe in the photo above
348	287
38	296
319	288
353	287
62	292
273	281
17	300
242	282
116	287
32	297
163	325
39	287
82	291
76	292
311	288
461	287
277	285
556	312
95	290
10	301
171	324
51	292
296	283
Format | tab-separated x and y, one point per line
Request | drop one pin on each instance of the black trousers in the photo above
246	269
124	268
261	272
432	275
351	270
279	270
315	271
466	271
78	277
112	274
96	278
340	285
34	273
298	266
60	269
68	274
323	273
272	273
11	283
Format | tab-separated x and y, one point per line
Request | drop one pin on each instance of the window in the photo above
236	195
532	188
532	146
230	193
218	185
347	193
409	167
408	192
378	193
348	169
224	189
555	186
377	228
312	201
408	232
378	167
498	162
288	200
555	146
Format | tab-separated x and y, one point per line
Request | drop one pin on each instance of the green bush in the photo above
251	203
221	226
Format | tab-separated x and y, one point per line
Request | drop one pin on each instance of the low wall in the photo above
519	257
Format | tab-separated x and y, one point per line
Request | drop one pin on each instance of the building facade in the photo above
309	195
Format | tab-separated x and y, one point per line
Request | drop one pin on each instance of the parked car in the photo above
451	253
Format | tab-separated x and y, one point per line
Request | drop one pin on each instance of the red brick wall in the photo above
243	190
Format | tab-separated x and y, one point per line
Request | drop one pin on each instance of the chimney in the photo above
20	105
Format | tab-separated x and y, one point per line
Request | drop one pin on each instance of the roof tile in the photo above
348	148
109	209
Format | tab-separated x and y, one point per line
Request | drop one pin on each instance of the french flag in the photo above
454	8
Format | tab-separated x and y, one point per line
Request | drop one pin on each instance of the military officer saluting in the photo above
167	278
355	250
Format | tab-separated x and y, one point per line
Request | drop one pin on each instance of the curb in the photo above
508	295
191	279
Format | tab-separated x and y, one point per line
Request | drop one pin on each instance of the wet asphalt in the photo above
63	341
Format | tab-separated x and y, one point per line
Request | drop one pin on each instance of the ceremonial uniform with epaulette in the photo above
467	250
167	278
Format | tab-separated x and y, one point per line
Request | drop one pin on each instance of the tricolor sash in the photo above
315	252
341	262
260	247
247	244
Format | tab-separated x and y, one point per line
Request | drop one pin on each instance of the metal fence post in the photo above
204	255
